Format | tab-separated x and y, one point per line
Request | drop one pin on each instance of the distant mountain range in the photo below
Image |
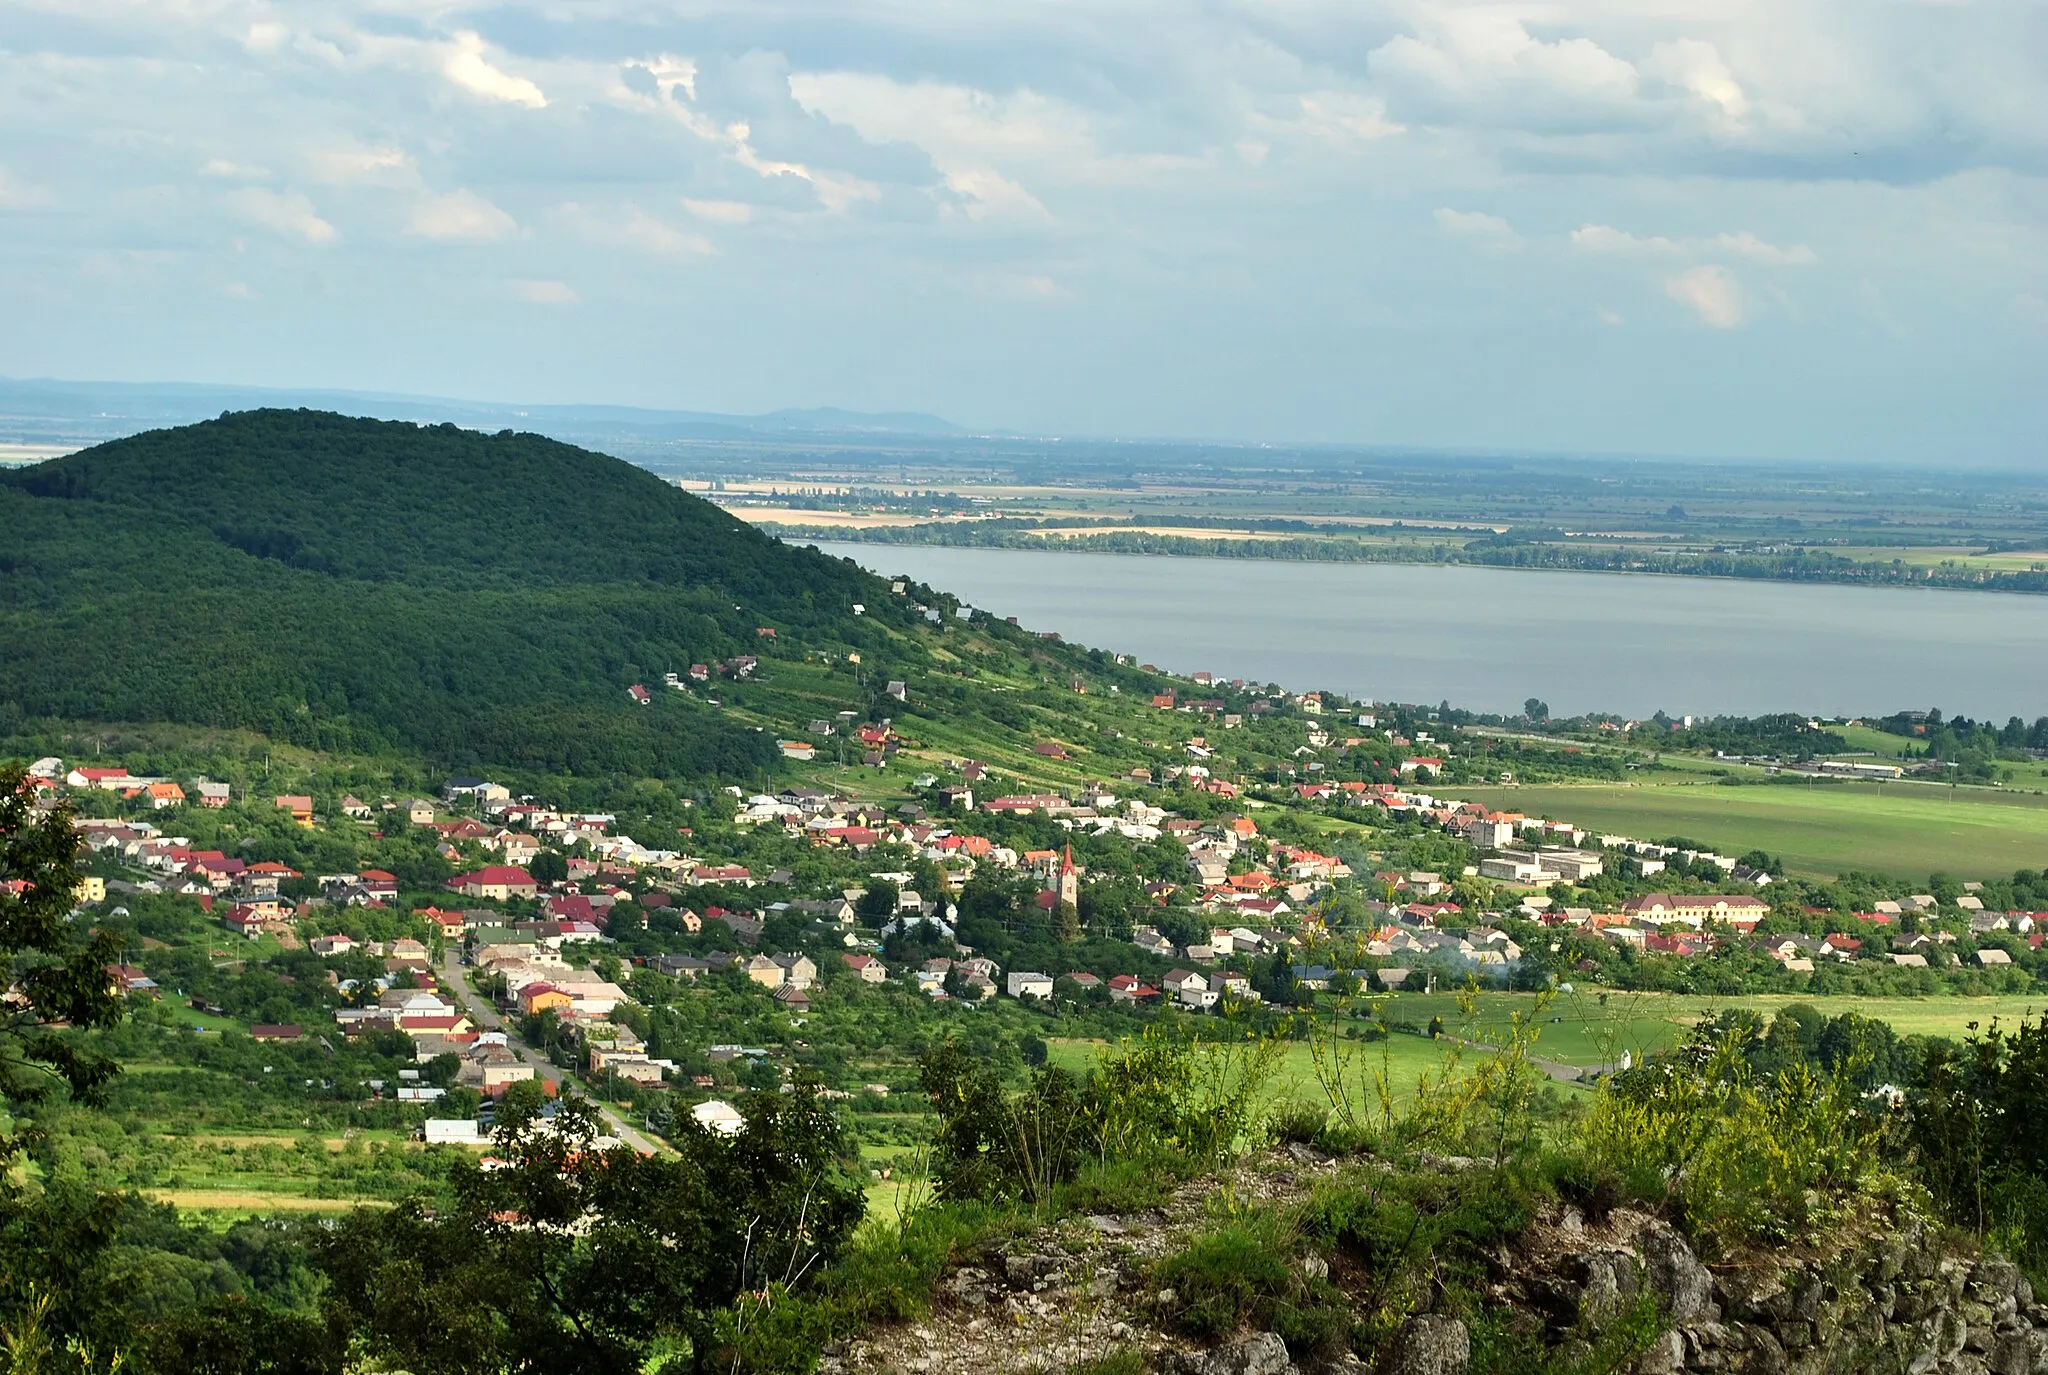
41	411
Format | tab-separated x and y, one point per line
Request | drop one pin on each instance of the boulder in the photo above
1683	1285
1262	1353
1428	1344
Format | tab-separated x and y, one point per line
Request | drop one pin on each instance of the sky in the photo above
1797	229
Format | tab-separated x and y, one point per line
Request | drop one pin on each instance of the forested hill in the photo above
363	584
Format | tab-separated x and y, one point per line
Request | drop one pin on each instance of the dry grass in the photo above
258	1201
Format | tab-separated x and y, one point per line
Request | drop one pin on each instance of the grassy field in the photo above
256	1202
1908	830
1581	1029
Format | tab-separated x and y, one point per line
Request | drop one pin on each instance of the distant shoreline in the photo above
1801	567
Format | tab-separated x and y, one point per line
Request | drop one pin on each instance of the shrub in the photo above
1242	1272
1742	1158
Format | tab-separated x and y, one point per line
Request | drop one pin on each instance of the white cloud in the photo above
462	215
1489	231
16	194
1698	67
467	68
229	170
1346	117
1605	238
287	212
1712	291
544	293
1748	245
632	227
1483	64
720	212
982	143
343	163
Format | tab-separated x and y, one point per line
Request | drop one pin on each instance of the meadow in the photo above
1907	830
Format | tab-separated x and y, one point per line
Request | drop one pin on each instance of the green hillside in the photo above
357	584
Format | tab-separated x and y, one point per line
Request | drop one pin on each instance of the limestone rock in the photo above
1676	1276
1428	1344
1262	1353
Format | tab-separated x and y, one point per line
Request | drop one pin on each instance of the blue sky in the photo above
1778	228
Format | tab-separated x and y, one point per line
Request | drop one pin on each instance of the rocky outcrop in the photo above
1427	1344
1893	1302
1884	1296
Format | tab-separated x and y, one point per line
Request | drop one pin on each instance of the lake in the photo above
1487	638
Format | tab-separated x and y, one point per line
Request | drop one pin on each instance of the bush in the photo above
1243	1272
1742	1158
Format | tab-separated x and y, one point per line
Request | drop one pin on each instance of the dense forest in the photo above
358	584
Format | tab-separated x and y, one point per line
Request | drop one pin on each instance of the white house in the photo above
1028	984
719	1116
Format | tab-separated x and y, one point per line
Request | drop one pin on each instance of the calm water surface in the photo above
1487	638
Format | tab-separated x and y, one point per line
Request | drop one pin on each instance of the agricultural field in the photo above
1903	829
1595	1026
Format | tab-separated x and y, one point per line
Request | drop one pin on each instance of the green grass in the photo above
1580	1029
1870	739
1401	1058
1907	830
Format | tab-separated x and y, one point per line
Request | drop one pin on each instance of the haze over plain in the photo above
1792	230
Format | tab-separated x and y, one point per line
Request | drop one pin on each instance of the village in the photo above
525	931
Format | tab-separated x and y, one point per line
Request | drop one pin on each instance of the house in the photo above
1149	940
866	968
299	805
543	997
111	780
1084	981
723	873
639	694
719	1118
763	970
129	981
1181	980
798	971
495	881
214	795
1991	956
1028	984
800	751
331	945
163	795
1693	909
1128	988
458	1131
355	808
243	920
275	1031
792	998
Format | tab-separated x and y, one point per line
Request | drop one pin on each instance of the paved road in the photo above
485	1016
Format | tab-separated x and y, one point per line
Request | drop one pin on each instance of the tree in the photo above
575	1258
62	971
877	906
548	866
1536	709
1066	924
